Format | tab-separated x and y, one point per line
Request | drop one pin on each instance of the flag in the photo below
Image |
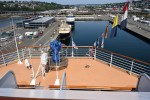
106	32
114	27
74	45
96	43
123	23
103	37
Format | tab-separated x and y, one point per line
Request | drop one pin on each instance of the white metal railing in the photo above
113	59
126	63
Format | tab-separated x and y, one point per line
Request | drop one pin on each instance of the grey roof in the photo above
43	19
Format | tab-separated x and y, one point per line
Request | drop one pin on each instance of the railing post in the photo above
89	53
95	54
111	58
66	52
29	52
3	59
131	67
72	52
23	54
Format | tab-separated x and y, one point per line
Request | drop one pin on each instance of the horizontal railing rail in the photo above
128	64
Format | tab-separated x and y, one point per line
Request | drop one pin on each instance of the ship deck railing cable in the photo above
128	64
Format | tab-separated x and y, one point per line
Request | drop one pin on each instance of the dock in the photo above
50	33
136	28
139	29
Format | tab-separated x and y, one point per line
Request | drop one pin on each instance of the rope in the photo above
38	70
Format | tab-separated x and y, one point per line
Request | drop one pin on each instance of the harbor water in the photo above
87	32
8	21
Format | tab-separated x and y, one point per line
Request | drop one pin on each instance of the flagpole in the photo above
19	61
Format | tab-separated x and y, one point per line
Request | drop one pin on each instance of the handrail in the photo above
83	47
12	50
113	59
39	47
123	62
124	56
97	48
78	87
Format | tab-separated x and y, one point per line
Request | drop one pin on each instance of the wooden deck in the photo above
98	74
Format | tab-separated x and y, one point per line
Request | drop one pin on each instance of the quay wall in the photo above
137	29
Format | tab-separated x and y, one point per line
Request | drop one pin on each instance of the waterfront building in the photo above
36	23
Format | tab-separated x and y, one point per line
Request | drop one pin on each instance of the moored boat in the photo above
70	19
64	31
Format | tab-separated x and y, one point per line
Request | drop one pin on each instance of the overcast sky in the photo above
76	1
